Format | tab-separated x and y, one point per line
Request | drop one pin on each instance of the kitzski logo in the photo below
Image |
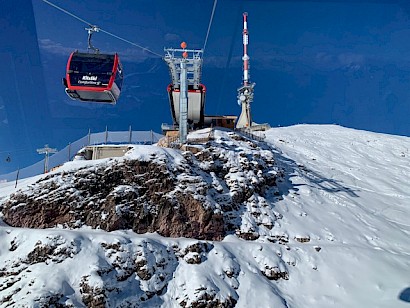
90	78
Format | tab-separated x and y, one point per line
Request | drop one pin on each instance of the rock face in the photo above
175	194
118	269
225	189
129	195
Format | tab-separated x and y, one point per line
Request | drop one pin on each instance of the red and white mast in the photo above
245	92
245	57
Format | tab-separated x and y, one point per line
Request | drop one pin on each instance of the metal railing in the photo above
67	153
256	135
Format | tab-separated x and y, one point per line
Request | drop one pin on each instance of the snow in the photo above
341	233
349	191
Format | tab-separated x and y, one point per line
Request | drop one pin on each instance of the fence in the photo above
256	135
66	154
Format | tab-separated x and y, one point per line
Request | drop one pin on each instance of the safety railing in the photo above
66	154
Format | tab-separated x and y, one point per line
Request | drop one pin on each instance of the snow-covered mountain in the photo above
314	216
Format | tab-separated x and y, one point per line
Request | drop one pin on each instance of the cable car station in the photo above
95	77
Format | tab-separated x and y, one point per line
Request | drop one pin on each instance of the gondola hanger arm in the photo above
91	30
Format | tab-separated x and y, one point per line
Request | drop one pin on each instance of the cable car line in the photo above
95	77
210	24
101	30
94	28
68	13
129	42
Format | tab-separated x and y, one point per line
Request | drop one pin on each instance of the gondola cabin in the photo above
93	77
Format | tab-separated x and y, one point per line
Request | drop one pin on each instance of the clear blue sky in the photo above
343	62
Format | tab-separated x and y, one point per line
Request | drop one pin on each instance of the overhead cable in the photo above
129	42
210	24
101	30
68	13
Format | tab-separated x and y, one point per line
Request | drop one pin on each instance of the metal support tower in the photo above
183	104
184	71
46	151
193	65
245	92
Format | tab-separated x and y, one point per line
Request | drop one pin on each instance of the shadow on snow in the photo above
291	168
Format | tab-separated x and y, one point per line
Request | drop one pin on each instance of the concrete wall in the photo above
99	152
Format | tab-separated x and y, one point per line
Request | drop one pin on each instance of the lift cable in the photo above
129	42
101	30
68	13
210	24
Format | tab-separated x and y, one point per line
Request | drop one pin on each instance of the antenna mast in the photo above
245	92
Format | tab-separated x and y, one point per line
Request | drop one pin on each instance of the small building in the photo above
102	151
227	121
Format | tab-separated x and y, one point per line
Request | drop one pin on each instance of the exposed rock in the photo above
199	197
208	301
281	239
249	236
273	273
13	245
196	253
56	250
303	239
206	298
53	300
223	188
92	297
131	195
142	270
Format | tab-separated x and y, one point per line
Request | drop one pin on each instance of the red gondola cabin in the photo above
93	77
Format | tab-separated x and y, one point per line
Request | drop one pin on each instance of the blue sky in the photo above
343	62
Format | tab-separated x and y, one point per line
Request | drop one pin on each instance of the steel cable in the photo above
101	30
210	24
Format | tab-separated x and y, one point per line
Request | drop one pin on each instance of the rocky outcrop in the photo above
129	195
227	187
197	196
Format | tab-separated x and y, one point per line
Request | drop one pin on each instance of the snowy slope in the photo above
349	191
340	237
